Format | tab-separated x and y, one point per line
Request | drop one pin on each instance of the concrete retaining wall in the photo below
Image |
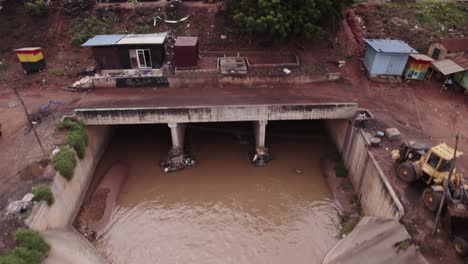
69	194
378	197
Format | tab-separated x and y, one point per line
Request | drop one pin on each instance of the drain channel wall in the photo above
377	195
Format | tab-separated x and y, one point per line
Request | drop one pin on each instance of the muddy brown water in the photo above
223	210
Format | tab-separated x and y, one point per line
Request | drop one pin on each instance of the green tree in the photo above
281	19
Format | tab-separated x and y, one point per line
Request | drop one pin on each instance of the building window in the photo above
144	58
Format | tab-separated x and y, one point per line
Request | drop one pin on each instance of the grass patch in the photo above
432	15
340	168
347	224
36	8
59	72
42	192
346	185
4	65
31	248
403	245
65	162
84	29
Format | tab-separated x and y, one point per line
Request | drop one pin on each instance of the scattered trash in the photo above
261	156
12	104
287	71
380	134
341	63
55	151
84	83
177	160
223	37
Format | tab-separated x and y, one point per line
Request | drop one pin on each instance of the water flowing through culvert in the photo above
223	210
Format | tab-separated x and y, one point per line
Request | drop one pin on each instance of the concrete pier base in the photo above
177	158
261	155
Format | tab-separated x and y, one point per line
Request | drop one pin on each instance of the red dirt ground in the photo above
417	109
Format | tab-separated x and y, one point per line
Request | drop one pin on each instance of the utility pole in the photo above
28	118
446	183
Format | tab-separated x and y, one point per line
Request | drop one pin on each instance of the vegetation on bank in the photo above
349	220
76	137
83	29
432	16
65	162
281	20
42	192
36	7
31	248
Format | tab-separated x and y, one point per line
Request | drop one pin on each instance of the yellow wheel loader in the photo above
416	162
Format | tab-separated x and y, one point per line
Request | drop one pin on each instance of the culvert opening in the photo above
223	209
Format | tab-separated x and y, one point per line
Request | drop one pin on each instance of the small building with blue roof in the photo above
386	57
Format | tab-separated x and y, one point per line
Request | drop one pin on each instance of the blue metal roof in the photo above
103	40
390	46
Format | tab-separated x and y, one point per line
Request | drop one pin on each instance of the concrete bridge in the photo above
177	117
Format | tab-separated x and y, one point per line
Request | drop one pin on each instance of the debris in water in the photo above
261	156
298	171
177	160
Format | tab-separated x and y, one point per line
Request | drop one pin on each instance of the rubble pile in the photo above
21	206
261	157
177	160
84	83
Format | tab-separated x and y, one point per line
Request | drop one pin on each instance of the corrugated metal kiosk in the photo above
186	51
386	57
31	59
417	67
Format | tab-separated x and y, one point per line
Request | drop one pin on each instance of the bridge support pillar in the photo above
177	158
177	134
261	156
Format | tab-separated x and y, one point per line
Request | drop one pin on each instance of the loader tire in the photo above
406	172
461	246
432	199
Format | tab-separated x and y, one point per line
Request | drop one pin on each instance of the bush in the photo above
76	137
31	248
71	124
11	258
36	8
65	162
42	192
78	140
281	20
28	255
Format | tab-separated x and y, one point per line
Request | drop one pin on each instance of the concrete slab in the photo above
233	66
392	133
376	240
